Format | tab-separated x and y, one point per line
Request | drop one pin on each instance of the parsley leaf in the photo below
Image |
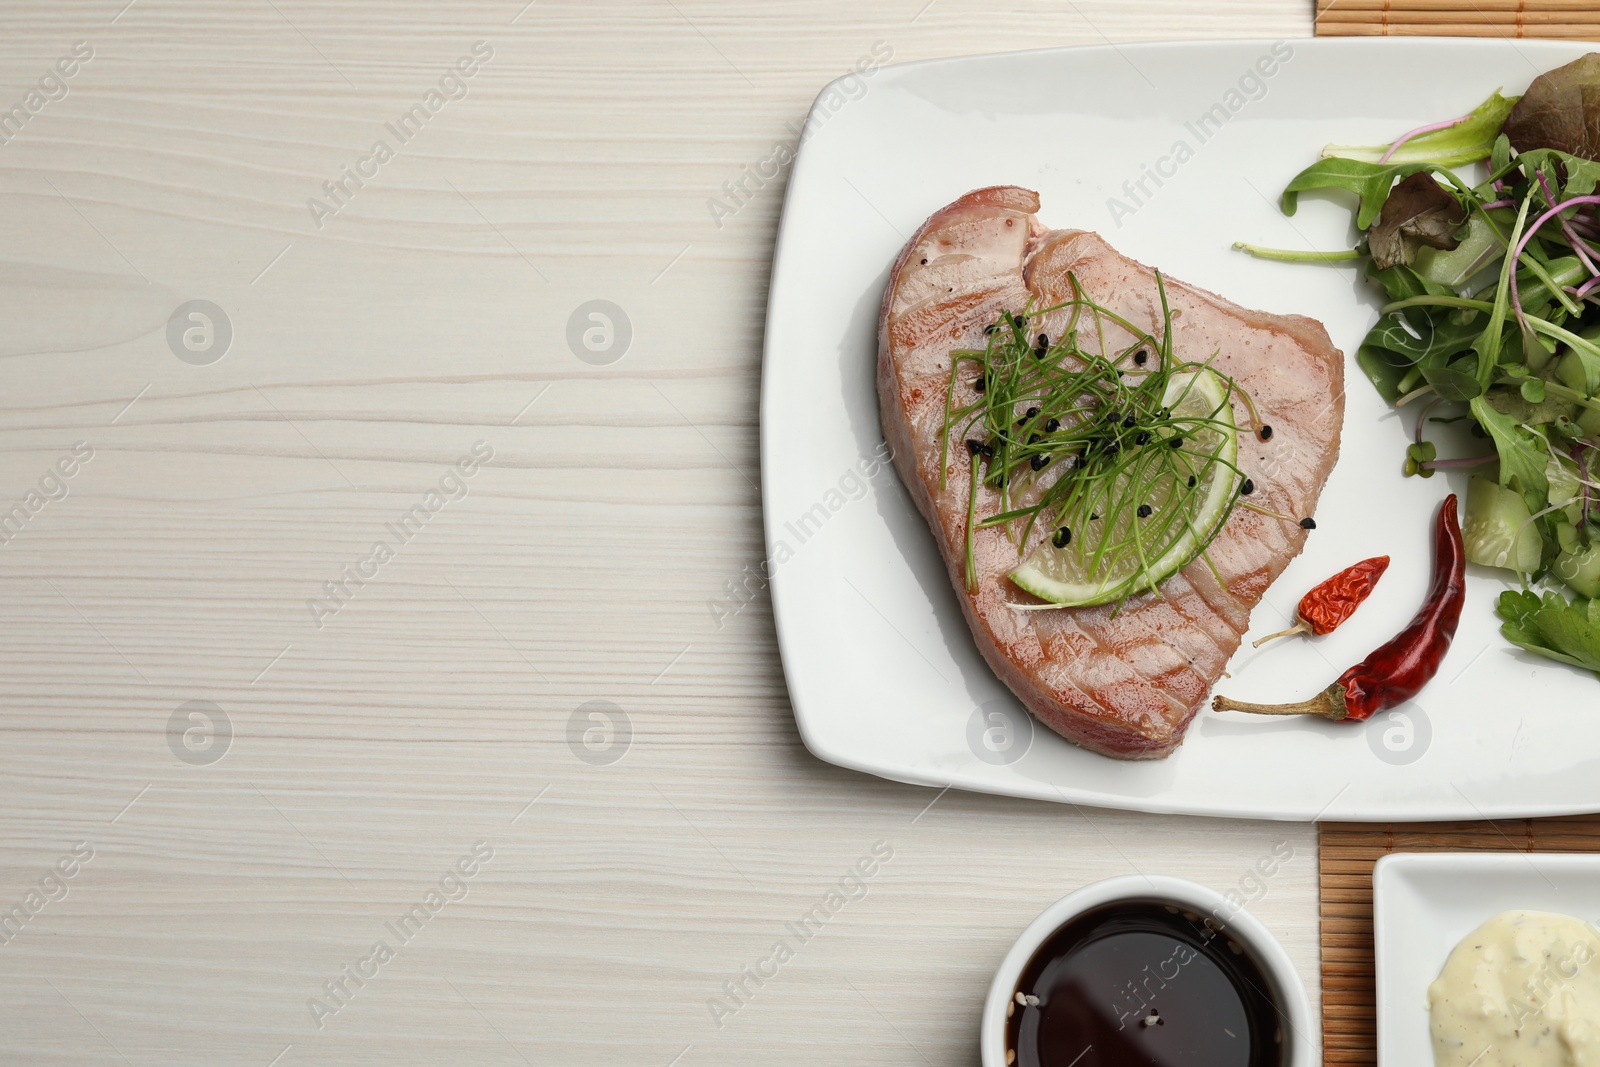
1552	627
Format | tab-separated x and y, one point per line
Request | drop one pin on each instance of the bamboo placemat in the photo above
1567	19
1347	853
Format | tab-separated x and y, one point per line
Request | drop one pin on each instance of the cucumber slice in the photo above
1497	532
1580	570
1078	574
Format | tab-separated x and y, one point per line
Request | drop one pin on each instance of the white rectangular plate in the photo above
882	670
1423	904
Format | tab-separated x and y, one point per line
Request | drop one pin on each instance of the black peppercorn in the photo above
1144	511
1061	538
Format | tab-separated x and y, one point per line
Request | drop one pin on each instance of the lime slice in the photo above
1115	556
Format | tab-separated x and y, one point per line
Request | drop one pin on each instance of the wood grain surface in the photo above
1347	853
291	659
1577	20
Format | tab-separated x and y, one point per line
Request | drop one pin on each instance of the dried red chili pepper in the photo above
1396	671
1334	600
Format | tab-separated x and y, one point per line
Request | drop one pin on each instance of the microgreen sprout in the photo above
1076	436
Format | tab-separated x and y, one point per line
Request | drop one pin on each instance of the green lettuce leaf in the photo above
1465	142
1568	175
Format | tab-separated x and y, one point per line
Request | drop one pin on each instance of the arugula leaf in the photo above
1383	367
1522	453
1411	337
1369	181
1553	628
1568	175
1402	283
1453	383
1465	142
1488	343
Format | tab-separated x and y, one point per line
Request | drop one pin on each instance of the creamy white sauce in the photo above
1522	990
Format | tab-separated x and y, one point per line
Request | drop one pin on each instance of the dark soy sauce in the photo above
1140	984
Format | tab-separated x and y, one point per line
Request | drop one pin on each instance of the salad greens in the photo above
1493	315
1550	626
1561	110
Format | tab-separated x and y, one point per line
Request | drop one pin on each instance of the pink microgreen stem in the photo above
1577	243
1516	253
1429	128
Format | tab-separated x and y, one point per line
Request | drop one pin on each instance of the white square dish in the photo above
1424	903
882	670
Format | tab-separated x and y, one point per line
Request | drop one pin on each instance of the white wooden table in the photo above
277	738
